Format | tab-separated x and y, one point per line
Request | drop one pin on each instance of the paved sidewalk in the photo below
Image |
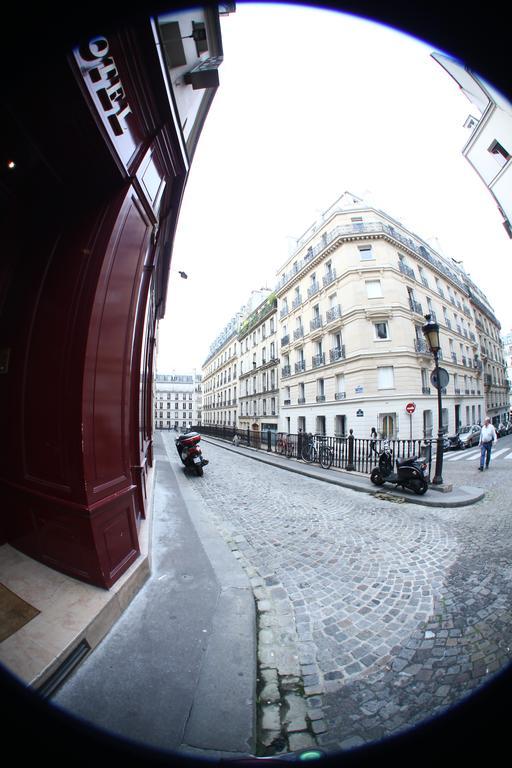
442	496
163	675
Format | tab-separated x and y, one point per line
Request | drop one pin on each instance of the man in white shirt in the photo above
488	436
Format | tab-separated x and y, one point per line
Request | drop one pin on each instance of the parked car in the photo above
465	437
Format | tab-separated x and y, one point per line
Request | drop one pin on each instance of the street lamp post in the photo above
431	333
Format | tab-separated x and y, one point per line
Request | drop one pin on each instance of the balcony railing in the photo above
333	313
320	398
420	345
415	306
337	353
285	340
313	288
300	366
379	228
315	323
340	395
283	312
454	357
286	371
405	270
298	333
297	301
318	360
425	390
329	277
301	400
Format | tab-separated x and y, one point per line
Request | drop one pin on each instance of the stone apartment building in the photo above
177	401
220	377
352	301
222	366
259	369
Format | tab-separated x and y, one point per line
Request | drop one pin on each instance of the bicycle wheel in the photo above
308	453
325	457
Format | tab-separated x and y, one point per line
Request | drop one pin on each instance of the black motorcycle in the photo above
410	473
190	453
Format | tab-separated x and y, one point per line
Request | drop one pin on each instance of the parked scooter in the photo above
190	453
410	473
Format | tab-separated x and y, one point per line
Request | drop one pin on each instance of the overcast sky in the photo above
312	103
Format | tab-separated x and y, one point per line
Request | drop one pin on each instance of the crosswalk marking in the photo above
465	455
494	454
470	455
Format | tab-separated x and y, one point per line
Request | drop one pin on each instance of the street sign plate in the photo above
444	378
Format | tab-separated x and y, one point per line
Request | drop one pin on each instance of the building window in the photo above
373	289
385	377
499	153
381	331
365	252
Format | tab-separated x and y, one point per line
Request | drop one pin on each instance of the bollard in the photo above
269	441
350	462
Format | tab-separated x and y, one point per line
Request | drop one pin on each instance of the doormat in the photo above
14	613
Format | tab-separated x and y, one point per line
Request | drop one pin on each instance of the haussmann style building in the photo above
177	401
352	301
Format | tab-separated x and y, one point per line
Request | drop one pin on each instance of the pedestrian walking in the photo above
488	437
373	441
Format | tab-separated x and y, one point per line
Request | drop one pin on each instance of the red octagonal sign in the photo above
410	407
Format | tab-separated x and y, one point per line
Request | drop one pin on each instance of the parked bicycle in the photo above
284	446
315	448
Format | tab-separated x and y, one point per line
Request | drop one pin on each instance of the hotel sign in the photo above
100	72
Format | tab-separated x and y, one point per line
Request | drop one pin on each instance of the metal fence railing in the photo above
355	454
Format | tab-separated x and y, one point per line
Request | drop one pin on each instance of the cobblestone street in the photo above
373	614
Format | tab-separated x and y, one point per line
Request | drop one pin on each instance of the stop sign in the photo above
410	407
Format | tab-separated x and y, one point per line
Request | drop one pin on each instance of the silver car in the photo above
469	436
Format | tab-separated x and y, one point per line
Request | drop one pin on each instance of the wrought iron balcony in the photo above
405	270
320	398
283	312
340	395
315	323
329	277
313	288
286	371
298	333
454	357
425	390
297	301
285	340
416	306
425	282
318	360
337	353
333	313
420	345
301	400
300	366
